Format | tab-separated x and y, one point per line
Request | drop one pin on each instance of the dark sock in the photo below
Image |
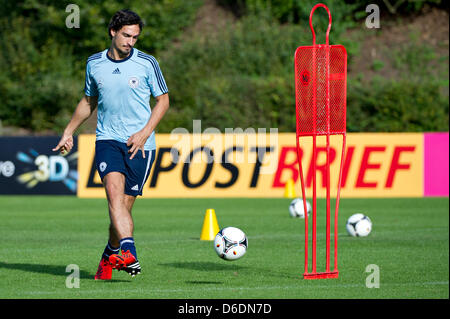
128	244
110	250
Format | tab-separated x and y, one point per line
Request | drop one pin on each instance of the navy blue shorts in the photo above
113	156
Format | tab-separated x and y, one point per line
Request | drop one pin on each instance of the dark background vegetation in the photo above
230	63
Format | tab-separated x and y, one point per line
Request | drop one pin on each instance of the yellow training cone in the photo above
289	189
210	226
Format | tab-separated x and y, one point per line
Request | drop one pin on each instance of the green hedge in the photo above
163	19
243	79
297	11
391	106
43	61
237	79
243	76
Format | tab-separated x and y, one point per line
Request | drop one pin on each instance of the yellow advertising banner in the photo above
252	164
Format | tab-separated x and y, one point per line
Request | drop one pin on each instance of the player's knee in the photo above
114	192
114	187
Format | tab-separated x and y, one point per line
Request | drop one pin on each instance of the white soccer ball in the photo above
296	208
230	243
359	225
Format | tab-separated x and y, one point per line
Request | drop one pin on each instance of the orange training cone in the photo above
210	226
289	189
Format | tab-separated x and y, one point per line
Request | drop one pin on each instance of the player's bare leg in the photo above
119	214
116	199
113	237
129	202
121	228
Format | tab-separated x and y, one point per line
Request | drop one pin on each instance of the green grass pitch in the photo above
41	235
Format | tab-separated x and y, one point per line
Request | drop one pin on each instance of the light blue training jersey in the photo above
123	88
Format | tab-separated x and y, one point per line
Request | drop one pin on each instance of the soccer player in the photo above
119	82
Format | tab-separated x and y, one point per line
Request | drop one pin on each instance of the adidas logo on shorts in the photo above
135	187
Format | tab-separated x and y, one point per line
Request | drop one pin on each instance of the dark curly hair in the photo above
124	17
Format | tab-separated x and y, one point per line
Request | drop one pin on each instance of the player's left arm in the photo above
137	140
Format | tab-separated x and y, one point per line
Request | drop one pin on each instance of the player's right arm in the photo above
83	111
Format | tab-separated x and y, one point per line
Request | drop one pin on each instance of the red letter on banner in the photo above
282	166
348	160
321	168
395	165
365	165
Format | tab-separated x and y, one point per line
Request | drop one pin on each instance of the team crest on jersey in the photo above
102	166
133	82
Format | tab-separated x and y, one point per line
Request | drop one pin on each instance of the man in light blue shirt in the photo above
119	81
123	88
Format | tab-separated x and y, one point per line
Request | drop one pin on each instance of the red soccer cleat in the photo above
104	271
121	262
126	262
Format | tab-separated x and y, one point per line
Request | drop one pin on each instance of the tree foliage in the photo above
243	76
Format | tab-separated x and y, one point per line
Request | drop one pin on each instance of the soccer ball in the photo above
359	225
296	208
230	243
